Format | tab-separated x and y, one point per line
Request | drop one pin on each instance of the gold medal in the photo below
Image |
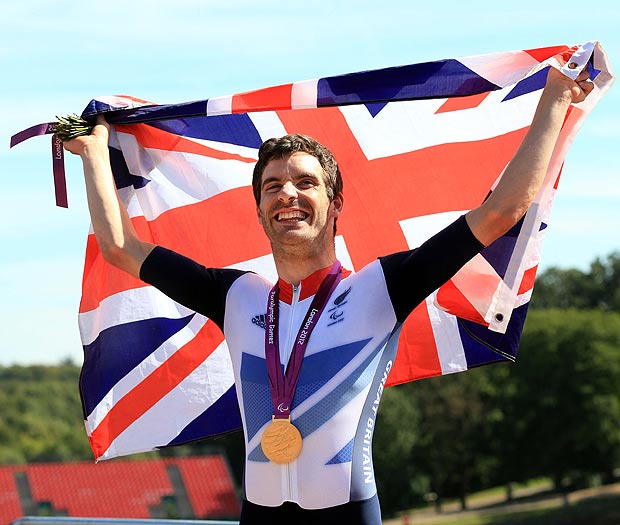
281	441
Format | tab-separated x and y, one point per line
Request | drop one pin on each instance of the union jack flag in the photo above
417	145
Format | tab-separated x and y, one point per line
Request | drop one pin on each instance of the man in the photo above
308	430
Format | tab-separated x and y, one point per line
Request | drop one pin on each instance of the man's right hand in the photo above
97	141
116	236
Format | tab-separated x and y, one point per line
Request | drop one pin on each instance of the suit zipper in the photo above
289	351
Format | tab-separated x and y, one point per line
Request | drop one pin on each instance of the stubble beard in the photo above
293	244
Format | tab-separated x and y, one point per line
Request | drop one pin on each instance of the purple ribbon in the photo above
283	386
58	157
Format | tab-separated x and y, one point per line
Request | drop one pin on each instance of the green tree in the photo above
605	275
506	425
455	440
401	482
599	288
41	415
568	403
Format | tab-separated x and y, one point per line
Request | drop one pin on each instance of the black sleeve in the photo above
189	283
413	275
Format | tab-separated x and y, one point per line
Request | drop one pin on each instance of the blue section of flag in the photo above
483	346
499	252
221	417
439	79
375	108
118	350
528	85
123	178
235	129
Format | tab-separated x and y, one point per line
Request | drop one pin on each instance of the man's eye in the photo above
272	188
306	183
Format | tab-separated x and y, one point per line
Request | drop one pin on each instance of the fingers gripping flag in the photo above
418	145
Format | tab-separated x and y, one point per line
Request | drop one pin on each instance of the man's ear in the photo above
336	205
260	219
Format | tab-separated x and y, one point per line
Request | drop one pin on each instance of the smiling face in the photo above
295	210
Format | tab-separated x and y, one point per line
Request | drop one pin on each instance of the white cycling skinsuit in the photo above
345	367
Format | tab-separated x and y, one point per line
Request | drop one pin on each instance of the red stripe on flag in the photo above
378	192
218	232
277	97
135	99
557	180
155	138
453	301
459	103
543	53
206	232
527	283
101	279
192	230
159	383
417	351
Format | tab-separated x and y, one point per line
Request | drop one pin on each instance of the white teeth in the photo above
291	215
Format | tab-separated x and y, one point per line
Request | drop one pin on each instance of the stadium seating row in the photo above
119	488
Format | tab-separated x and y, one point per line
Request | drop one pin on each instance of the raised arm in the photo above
114	231
525	173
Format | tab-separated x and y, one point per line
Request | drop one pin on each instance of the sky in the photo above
57	56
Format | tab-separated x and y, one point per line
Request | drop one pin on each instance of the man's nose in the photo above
288	192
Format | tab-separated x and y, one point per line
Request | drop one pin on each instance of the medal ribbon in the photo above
283	386
58	163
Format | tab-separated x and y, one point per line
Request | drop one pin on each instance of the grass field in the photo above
600	506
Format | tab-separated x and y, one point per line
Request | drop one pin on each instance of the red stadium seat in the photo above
9	497
210	487
121	489
124	489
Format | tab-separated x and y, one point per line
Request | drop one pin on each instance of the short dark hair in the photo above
284	147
